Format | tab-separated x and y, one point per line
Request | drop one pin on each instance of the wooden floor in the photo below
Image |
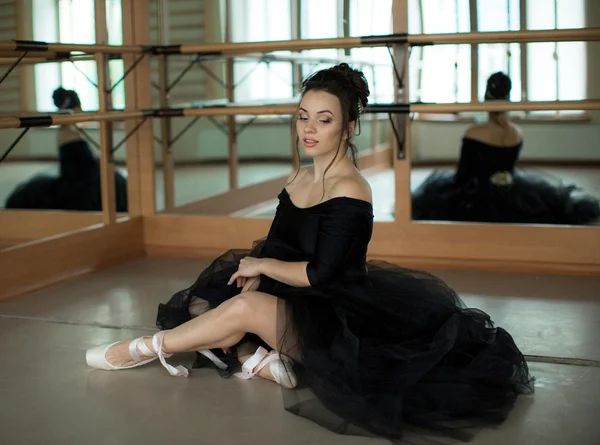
50	396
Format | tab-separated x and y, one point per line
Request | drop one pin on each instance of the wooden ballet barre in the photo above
46	120
588	104
532	36
6	59
220	49
32	46
555	35
289	58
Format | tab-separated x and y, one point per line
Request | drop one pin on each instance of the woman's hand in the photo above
249	268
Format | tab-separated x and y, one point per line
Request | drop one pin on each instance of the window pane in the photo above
258	80
373	18
541	72
498	15
443	16
370	18
540	14
415	66
414	17
319	19
77	22
446	75
572	71
262	20
47	75
571	13
114	22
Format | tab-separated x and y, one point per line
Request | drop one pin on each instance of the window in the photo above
264	20
368	19
255	21
552	71
441	72
72	21
556	70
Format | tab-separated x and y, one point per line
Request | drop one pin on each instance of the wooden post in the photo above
165	123
402	213
134	204
474	53
231	124
107	175
145	134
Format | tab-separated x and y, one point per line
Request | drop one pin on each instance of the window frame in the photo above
527	116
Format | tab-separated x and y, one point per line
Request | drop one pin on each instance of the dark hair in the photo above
498	87
65	99
350	86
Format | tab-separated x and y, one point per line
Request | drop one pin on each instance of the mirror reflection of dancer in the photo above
383	349
486	187
77	187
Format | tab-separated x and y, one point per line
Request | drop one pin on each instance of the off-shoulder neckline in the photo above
358	201
499	147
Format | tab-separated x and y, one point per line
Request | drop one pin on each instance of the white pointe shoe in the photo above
96	357
279	365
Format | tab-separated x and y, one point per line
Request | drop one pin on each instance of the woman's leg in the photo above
222	327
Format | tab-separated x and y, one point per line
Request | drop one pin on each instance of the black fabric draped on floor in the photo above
380	349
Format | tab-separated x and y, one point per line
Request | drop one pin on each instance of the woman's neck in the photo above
321	163
499	117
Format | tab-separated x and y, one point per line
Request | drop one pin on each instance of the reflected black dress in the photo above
77	187
487	187
380	349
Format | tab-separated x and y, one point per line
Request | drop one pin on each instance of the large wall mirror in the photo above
50	177
534	167
205	177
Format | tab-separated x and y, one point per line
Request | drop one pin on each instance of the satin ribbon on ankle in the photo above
157	343
257	361
213	358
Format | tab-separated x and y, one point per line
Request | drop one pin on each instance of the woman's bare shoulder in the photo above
352	186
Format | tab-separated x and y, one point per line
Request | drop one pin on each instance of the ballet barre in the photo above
49	120
217	49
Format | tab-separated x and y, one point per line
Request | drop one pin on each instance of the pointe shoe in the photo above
279	365
96	357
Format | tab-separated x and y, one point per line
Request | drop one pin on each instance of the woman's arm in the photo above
337	230
290	273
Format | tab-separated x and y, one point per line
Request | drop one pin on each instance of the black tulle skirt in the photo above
76	187
529	198
397	352
47	192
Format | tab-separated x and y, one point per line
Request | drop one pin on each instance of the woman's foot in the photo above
118	354
131	354
269	365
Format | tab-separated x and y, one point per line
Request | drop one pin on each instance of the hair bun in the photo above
65	99
358	82
498	87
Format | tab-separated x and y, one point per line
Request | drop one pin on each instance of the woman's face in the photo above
319	123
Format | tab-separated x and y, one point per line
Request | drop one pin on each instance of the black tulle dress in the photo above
380	349
77	187
487	187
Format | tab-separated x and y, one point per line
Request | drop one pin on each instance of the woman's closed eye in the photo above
322	121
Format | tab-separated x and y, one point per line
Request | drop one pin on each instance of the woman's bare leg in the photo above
224	326
245	350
